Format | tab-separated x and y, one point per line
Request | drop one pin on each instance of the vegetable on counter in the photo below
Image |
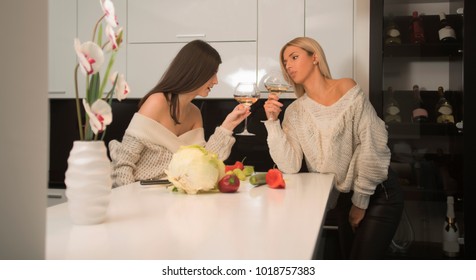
238	165
248	170
193	169
229	183
239	173
258	179
240	170
274	179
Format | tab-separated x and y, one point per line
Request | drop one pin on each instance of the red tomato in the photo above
274	179
229	183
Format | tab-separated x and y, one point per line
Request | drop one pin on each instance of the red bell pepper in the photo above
238	164
229	183
274	179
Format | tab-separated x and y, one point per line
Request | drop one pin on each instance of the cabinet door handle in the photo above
189	35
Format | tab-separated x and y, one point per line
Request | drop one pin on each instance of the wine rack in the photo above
431	25
433	160
430	99
432	47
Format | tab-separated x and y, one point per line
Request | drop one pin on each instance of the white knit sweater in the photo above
346	138
147	148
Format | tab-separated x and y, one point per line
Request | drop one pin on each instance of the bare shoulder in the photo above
154	106
194	110
195	115
345	84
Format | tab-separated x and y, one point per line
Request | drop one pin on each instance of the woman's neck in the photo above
322	90
185	99
317	85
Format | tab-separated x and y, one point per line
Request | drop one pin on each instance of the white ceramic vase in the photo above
88	182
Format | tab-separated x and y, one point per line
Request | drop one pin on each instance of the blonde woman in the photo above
333	126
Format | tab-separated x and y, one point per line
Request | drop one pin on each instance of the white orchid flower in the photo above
100	115
115	38
90	56
108	9
122	88
111	35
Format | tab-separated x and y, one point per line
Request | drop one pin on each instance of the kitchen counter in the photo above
156	223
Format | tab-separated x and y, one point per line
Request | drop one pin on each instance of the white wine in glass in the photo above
276	84
246	94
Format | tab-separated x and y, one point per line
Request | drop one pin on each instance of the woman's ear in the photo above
315	61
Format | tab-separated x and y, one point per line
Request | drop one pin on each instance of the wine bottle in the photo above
419	113
392	33
417	34
444	110
450	230
392	109
446	32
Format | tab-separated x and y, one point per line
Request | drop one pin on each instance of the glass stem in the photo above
246	124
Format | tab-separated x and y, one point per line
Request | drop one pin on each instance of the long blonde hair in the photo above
312	47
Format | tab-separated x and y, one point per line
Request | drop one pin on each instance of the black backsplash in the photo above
63	131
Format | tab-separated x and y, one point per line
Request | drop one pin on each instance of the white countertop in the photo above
156	223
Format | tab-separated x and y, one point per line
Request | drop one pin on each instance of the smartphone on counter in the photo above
155	182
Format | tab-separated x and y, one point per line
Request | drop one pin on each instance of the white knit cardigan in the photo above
357	152
147	149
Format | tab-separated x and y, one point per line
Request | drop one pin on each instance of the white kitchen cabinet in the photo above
279	21
331	23
69	19
61	57
158	29
248	34
147	63
166	21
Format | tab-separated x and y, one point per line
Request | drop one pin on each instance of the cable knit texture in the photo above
147	149
346	138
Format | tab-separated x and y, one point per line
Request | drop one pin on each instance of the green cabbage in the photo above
193	169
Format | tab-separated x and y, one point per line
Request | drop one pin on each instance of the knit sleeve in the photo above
124	157
221	142
283	144
372	156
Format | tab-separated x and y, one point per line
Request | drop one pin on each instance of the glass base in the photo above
245	133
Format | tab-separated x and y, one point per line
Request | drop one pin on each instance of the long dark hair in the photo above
191	68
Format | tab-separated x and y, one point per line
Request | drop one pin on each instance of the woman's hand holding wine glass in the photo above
276	85
235	117
272	107
246	94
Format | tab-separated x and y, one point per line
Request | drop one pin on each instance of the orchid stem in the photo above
96	26
78	106
108	70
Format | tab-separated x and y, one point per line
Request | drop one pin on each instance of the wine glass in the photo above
246	94
276	84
